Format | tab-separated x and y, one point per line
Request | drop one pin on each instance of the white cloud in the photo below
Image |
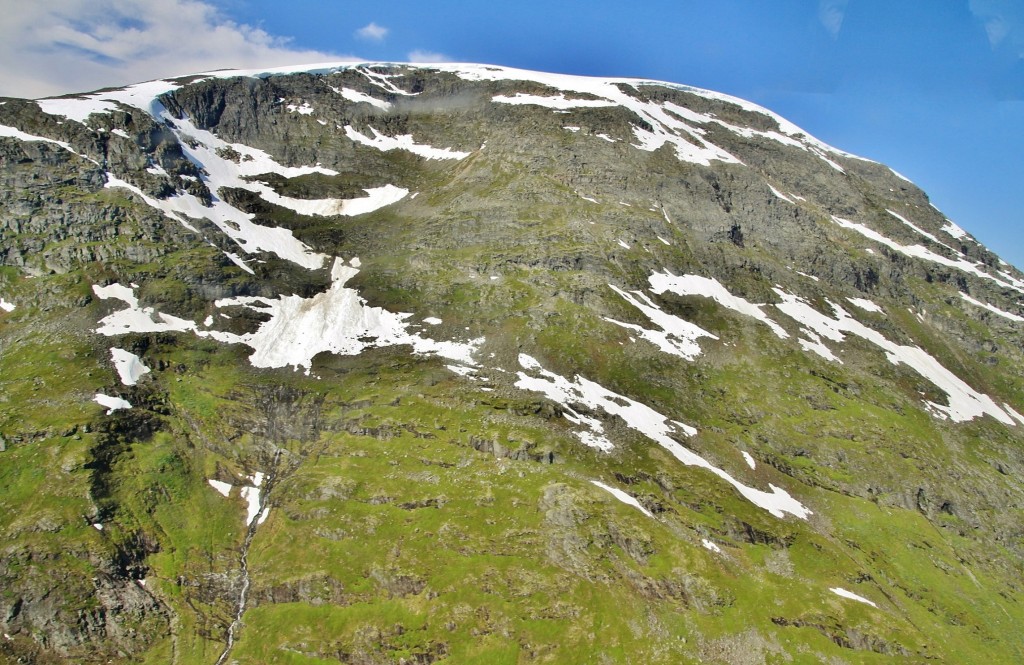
61	46
372	32
831	14
427	56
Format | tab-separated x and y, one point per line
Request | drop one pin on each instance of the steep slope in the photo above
458	363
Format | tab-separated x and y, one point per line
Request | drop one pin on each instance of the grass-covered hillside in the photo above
386	364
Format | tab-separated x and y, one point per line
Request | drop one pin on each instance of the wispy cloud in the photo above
1003	21
831	14
63	46
996	29
372	32
422	56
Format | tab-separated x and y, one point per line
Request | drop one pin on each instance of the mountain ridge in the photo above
768	350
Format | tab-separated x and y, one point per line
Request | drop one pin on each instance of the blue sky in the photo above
933	88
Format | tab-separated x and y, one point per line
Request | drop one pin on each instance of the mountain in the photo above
378	363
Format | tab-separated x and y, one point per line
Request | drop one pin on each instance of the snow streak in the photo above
643	419
965	403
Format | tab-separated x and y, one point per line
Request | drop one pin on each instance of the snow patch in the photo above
251	496
1011	279
238	261
128	365
851	595
220	486
695	285
814	344
964	402
919	252
710	546
954	230
141	95
780	195
360	97
462	370
402	142
646	421
335	321
866	305
749	459
992	308
223	172
677	336
135	318
119	291
918	229
6	306
665	128
14	133
557	102
304	109
250	493
112	403
76	108
703	153
234	223
375	199
1013	412
383	81
208	152
790	135
622	496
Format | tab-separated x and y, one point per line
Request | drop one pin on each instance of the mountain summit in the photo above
380	363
